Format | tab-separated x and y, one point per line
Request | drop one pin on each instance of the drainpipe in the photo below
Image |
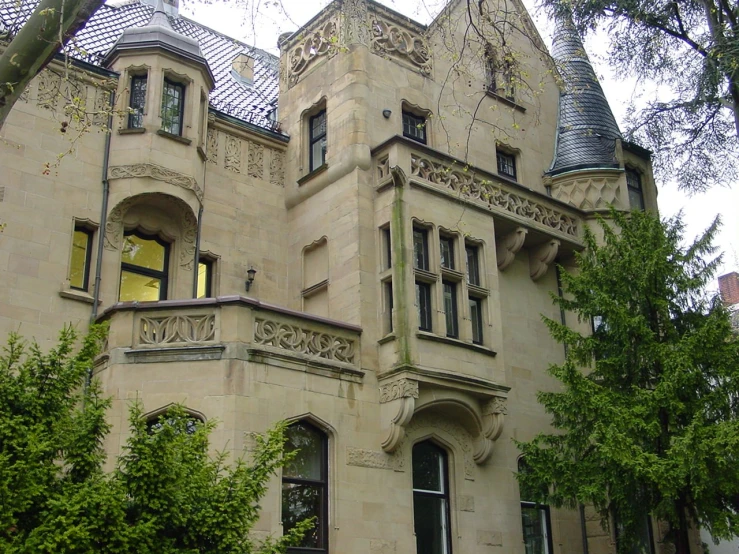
584	530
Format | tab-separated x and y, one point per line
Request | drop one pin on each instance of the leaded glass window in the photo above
173	107
138	102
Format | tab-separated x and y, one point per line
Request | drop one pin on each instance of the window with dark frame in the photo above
431	499
423	303
450	309
173	107
420	248
473	264
414	127
476	319
205	278
388	286
446	248
535	519
79	266
144	268
506	164
644	539
387	247
636	193
191	422
317	132
137	102
305	485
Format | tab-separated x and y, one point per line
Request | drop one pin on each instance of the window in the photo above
388	286
431	499
506	164
189	423
205	278
450	309
420	248
423	303
414	127
305	485
537	536
79	267
642	541
636	195
473	265
144	268
317	129
446	247
387	248
476	318
137	102
173	107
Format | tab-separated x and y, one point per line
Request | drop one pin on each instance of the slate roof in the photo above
587	129
248	103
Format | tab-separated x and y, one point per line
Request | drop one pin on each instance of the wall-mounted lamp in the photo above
386	113
250	274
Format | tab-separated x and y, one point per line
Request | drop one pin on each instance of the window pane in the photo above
300	502
423	302
636	200
420	249
414	127
535	530
388	248
476	318
473	270
307	464
318	125
429	516
143	252
428	467
506	164
138	102
172	102
450	309
447	252
139	287
79	270
204	279
318	153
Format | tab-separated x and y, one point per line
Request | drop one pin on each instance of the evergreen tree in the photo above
646	419
167	494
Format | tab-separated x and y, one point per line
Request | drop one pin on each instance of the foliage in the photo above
691	50
650	425
166	495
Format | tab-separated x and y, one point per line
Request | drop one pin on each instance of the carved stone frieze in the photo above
354	18
540	258
322	42
508	246
370	458
304	341
401	388
212	145
589	193
393	41
232	161
277	168
471	187
177	329
158	173
256	160
102	107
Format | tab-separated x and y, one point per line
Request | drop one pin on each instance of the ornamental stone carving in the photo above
540	258
212	145
303	341
354	18
256	160
370	458
158	173
493	415
177	329
401	388
322	42
470	187
277	168
589	193
395	42
233	154
399	401
508	246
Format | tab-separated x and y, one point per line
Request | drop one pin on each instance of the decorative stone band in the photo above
303	341
158	173
393	41
402	388
319	43
177	329
470	187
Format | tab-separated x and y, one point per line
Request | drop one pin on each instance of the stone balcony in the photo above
230	327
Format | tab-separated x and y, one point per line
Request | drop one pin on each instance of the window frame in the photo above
209	269
136	113
449	242
90	233
414	121
637	190
163	275
444	494
543	510
504	155
167	125
312	140
323	484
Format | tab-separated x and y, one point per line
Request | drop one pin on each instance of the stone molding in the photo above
303	341
540	258
508	246
158	173
589	192
177	329
470	187
392	41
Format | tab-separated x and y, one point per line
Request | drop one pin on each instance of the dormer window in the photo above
173	107
137	102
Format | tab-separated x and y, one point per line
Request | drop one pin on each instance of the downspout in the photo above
583	529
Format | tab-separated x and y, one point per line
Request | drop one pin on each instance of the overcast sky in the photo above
278	16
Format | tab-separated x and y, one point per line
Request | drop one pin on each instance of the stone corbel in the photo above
508	246
493	414
540	258
398	400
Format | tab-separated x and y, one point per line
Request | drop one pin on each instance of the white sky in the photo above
279	16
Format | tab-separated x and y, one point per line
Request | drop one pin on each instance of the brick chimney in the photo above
728	286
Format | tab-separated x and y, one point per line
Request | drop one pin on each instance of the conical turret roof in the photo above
587	131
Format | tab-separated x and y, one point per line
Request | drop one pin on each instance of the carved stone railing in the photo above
400	40
177	329
304	341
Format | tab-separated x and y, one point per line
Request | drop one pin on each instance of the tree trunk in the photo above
682	538
50	26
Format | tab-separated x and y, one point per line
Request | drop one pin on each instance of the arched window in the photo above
305	485
537	527
431	499
144	267
174	415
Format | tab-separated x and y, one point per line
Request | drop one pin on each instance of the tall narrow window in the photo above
388	286
79	266
537	535
476	318
642	542
450	309
387	253
138	102
636	194
414	127
446	248
205	278
506	164
305	485
317	128
144	268
423	302
420	248
473	265
431	499
173	107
